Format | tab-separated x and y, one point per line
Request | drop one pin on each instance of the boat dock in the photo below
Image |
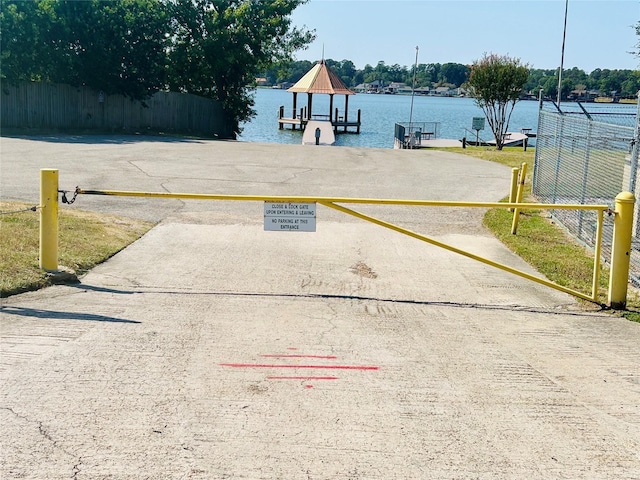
320	80
425	135
512	139
338	122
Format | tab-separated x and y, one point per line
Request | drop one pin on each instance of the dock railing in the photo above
473	138
411	134
338	121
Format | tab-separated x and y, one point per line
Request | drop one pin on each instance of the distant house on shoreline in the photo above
403	89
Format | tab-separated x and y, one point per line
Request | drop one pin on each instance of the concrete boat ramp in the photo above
212	349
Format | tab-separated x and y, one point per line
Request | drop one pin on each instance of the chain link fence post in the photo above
633	164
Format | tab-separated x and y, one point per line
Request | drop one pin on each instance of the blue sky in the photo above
600	33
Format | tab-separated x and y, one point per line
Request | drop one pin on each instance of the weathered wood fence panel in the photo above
43	106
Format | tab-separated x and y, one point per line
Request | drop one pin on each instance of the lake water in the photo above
379	116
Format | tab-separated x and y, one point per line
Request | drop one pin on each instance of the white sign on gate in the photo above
290	217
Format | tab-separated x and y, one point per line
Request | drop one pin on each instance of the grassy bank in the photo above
85	240
540	242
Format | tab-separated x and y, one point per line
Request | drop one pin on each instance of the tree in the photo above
398	73
22	51
345	69
220	46
123	51
380	72
550	87
631	86
116	47
496	83
454	73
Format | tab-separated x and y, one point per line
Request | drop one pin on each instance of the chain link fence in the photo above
588	155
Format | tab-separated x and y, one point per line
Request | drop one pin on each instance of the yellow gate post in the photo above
514	186
621	250
519	195
49	220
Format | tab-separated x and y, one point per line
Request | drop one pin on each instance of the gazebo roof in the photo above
321	79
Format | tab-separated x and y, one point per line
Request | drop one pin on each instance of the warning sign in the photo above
291	217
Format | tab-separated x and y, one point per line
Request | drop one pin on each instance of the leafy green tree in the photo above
117	46
367	70
432	72
345	69
24	51
398	73
631	85
593	82
123	51
292	71
220	46
454	73
568	86
496	83
611	83
550	87
535	81
576	75
358	78
380	72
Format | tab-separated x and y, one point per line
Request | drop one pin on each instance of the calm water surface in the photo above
379	116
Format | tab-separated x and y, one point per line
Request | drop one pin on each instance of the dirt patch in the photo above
363	270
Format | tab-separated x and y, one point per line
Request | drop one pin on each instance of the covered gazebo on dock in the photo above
319	80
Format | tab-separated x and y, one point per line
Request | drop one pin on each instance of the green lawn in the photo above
85	240
539	241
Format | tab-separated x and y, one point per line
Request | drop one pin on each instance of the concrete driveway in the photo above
212	349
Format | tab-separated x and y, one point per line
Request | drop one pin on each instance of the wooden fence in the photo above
42	106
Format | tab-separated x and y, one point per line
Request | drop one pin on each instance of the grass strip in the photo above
85	240
540	241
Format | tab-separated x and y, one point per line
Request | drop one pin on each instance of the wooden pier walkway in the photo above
339	123
318	132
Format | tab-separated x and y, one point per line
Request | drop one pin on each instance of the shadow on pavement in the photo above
93	288
54	315
104	139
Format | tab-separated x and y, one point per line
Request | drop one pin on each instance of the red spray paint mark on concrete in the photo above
295	366
327	367
321	357
301	378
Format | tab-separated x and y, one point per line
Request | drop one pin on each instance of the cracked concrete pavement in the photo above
211	349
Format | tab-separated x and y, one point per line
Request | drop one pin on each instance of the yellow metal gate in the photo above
620	253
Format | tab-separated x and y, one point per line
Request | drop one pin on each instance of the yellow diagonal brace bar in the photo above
451	248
